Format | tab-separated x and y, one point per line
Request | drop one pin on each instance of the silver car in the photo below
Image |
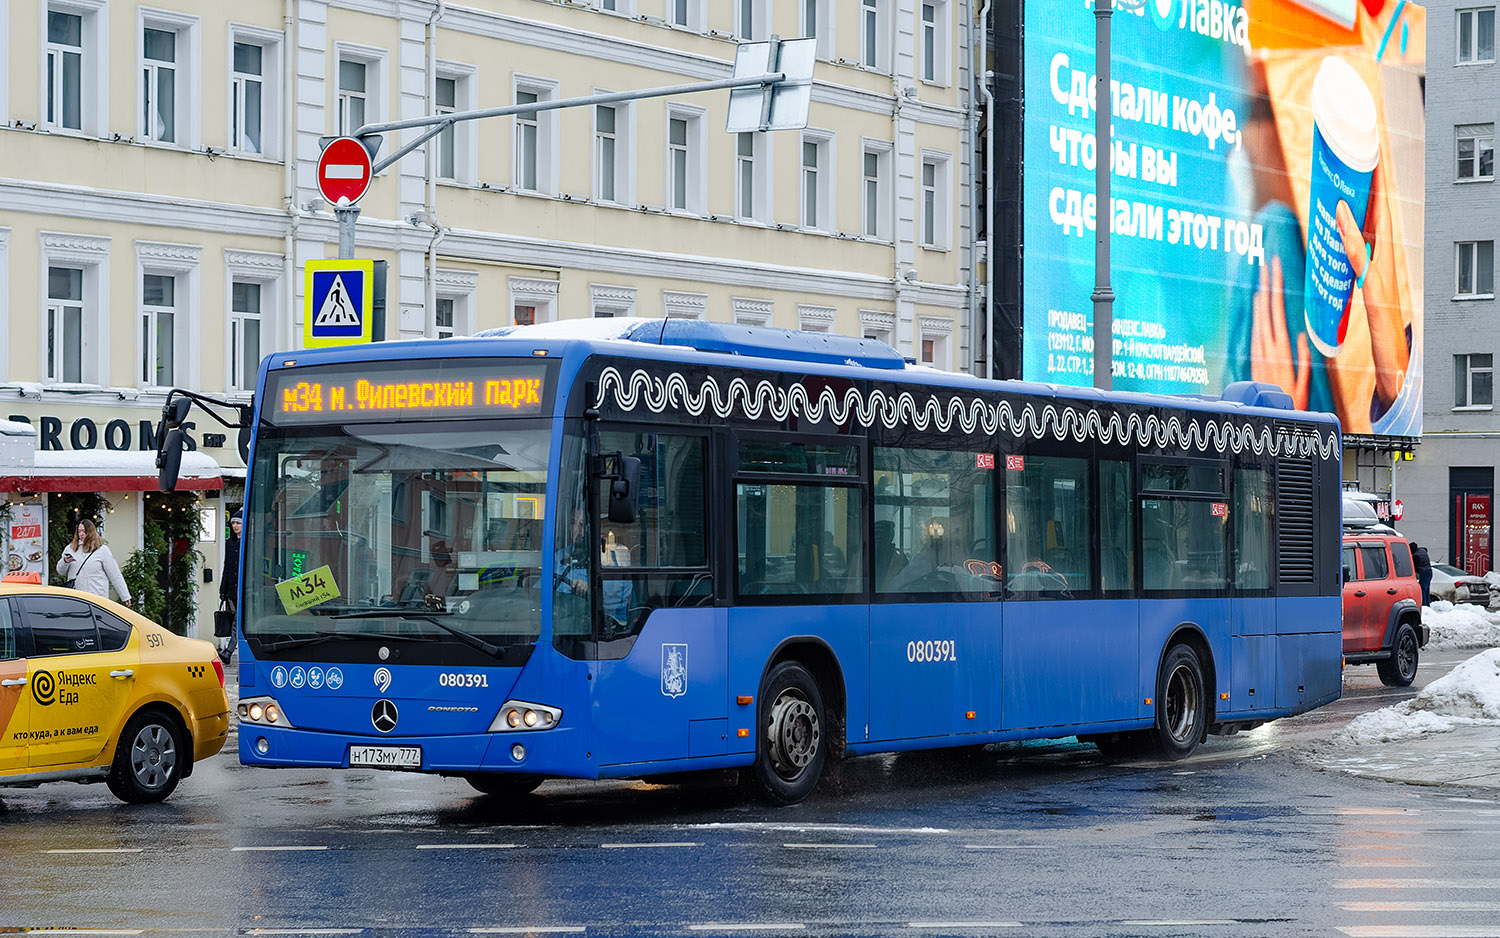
1456	586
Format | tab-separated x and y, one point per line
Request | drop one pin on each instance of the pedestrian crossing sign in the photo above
338	302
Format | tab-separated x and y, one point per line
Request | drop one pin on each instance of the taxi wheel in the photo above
148	762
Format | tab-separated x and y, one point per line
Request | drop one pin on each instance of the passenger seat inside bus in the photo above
1159	571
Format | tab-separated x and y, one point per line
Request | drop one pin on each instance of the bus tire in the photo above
1401	668
149	759
1181	703
503	783
791	736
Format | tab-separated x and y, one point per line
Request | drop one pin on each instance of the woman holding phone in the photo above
88	565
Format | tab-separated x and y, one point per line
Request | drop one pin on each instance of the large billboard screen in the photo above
1266	200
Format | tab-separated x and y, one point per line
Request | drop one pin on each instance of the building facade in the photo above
157	178
1448	487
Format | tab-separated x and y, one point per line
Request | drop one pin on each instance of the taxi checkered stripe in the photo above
196	670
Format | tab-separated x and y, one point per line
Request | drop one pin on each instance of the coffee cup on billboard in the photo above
1345	150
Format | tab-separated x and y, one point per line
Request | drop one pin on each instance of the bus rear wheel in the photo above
1181	703
791	736
501	783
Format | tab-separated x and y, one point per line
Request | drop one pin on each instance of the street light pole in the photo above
1104	295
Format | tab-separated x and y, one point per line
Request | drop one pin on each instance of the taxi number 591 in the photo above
931	651
464	680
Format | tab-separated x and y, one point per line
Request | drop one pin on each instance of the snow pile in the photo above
1461	625
1469	695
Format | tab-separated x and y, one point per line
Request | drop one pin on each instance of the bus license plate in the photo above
386	757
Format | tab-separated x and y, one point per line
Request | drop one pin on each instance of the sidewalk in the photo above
1467	757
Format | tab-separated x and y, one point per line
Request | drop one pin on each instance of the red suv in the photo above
1382	606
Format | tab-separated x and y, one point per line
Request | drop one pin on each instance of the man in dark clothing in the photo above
229	585
1423	565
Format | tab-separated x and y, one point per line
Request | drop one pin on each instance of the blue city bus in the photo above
652	547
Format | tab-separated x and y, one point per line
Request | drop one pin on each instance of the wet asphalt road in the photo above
1247	838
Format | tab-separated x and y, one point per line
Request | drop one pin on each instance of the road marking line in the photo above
305	931
1416	884
531	930
97	850
267	849
1006	846
1420	906
1179	922
750	926
1422	931
683	843
947	925
829	846
466	846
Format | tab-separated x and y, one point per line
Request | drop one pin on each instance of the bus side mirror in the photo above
177	411
625	491
169	459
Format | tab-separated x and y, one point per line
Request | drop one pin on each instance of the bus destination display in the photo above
406	391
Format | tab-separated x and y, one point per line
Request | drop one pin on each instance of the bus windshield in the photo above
429	533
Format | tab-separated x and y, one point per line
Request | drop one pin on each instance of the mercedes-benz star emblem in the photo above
384	715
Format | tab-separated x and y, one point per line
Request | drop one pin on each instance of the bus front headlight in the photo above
520	716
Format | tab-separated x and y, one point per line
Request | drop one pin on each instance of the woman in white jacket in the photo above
89	564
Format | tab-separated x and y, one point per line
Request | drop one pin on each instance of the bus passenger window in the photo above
1116	526
934	522
1183	544
1048	518
1252	529
795	539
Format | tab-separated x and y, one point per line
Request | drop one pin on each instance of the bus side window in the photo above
1252	529
934	522
1116	526
1049	517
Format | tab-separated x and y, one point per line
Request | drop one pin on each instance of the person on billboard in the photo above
87	564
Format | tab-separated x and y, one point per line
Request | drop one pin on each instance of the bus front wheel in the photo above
791	737
1181	704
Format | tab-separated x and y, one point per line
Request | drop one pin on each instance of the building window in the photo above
933	342
752	312
532	300
750	18
934	184
816	318
875	191
244	334
685	13
354	81
816	23
933	42
248	114
1476	151
159	85
679	305
618	6
874	34
158	332
608	302
817	183
612	153
535	141
527	130
65	324
1476	35
752	177
64	70
685	160
524	314
878	326
1473	381
445	100
456	153
1476	268
442	324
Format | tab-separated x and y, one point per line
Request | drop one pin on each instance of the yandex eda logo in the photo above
45	686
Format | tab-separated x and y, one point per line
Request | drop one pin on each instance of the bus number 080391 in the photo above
931	651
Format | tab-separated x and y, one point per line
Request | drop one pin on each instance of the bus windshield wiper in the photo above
324	635
468	638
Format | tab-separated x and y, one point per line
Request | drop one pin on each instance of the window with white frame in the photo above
453	303
614	155
65	69
677	304
816	318
245	317
532	300
751	17
752	177
454	150
1473	380
158	331
875	190
626	7
159	85
1476	151
353	95
874	34
445	101
934	197
685	13
609	302
685	151
933	344
443	317
749	311
877	325
535	138
166	350
1476	268
932	42
65	325
1476	35
817	182
74	334
247	115
816	21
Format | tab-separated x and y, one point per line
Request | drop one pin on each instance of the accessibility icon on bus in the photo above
338	303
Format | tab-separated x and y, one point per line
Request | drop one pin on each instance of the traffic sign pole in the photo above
346	215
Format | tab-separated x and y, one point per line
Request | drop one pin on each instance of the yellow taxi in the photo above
91	691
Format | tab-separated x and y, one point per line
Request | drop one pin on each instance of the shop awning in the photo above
105	471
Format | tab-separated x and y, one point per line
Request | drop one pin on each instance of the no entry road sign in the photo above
344	170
